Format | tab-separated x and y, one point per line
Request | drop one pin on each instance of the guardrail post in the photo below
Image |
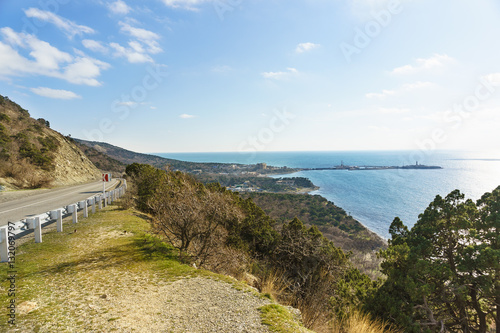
92	202
4	244
105	199
74	212
38	230
59	220
99	199
83	205
34	223
57	215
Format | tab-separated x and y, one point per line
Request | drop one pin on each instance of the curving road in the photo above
15	206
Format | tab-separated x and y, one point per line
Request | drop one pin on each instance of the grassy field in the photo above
103	274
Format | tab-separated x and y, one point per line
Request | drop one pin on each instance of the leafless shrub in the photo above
229	261
24	174
191	217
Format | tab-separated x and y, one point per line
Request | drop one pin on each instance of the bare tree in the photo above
191	217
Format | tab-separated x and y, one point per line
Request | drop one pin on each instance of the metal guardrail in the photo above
14	230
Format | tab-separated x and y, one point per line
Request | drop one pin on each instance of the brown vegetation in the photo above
32	155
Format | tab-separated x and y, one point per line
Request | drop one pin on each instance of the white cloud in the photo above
132	55
425	64
94	45
55	93
186	116
84	70
404	88
304	47
280	75
69	27
139	33
119	7
493	78
184	4
43	59
146	37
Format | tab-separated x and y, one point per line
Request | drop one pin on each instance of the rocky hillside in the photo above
32	155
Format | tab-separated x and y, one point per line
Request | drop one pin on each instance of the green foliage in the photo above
4	137
443	273
41	157
255	232
4	117
279	319
48	143
147	179
43	122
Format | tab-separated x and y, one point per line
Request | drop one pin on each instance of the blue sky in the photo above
245	75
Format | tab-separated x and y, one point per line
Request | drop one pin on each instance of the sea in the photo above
376	197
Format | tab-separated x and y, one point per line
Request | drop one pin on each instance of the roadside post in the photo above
4	244
106	177
74	212
57	215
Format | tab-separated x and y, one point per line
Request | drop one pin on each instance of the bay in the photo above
375	197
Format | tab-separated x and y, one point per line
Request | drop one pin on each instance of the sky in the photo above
258	75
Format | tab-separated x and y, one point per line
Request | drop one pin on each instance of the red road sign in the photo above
106	177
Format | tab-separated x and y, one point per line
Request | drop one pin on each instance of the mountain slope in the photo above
129	157
32	155
100	159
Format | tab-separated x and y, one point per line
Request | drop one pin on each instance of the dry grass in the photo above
275	285
359	322
22	174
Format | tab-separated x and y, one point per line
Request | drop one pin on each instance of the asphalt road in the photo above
14	208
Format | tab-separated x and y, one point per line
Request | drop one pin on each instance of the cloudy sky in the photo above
270	75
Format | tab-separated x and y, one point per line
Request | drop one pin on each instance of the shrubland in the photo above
442	275
218	230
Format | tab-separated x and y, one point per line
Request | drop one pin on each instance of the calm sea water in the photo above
375	197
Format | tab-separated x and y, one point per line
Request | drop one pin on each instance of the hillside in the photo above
333	221
101	160
128	157
32	155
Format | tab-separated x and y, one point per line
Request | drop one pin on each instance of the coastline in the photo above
307	191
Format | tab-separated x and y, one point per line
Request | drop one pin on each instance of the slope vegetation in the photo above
32	155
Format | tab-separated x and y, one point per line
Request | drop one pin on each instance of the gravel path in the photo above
203	305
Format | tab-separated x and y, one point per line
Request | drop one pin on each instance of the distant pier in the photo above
415	166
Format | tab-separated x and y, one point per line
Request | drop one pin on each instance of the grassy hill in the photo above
32	155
